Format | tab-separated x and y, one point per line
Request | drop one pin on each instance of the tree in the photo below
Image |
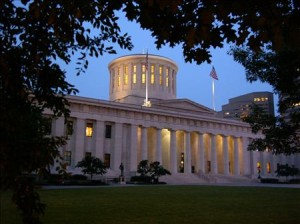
92	166
35	35
152	169
157	170
143	168
282	71
279	136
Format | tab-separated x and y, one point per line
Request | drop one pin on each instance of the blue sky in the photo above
193	81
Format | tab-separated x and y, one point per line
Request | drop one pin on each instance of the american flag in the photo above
146	61
213	74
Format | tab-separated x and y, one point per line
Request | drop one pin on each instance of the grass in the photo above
165	204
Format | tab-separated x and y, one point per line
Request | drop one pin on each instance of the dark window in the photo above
69	128
88	154
107	131
67	157
47	126
107	160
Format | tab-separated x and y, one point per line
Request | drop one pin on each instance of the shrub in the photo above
269	180
78	177
294	181
141	179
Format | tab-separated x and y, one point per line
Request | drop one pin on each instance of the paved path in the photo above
180	184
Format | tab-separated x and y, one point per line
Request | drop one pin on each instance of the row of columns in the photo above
200	163
116	148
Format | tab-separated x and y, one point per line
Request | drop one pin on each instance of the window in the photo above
167	77
119	80
89	130
173	80
269	167
47	125
107	131
88	154
67	157
125	75
69	127
134	75
143	74
152	74
113	79
119	76
107	160
160	75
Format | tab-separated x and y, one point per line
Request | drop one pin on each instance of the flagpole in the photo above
147	77
213	93
147	103
213	75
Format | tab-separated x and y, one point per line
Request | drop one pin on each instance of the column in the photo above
214	164
187	157
236	156
117	147
158	155
173	152
226	156
201	162
262	163
133	148
246	156
144	144
99	140
58	127
79	141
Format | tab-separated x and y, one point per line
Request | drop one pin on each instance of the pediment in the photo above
183	105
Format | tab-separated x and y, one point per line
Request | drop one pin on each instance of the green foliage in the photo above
154	170
92	166
281	70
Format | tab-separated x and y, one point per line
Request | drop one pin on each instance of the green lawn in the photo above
166	204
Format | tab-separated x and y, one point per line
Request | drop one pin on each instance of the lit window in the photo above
119	80
89	130
167	77
173	80
113	79
134	75
227	113
269	167
160	75
126	75
152	74
67	157
143	74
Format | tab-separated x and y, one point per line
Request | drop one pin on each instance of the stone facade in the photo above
184	136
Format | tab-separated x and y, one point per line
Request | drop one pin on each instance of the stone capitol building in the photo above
187	138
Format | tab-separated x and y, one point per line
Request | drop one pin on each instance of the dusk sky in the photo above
193	81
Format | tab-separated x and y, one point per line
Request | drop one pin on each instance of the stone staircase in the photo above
186	179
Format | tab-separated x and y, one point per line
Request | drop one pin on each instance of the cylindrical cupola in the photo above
129	76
